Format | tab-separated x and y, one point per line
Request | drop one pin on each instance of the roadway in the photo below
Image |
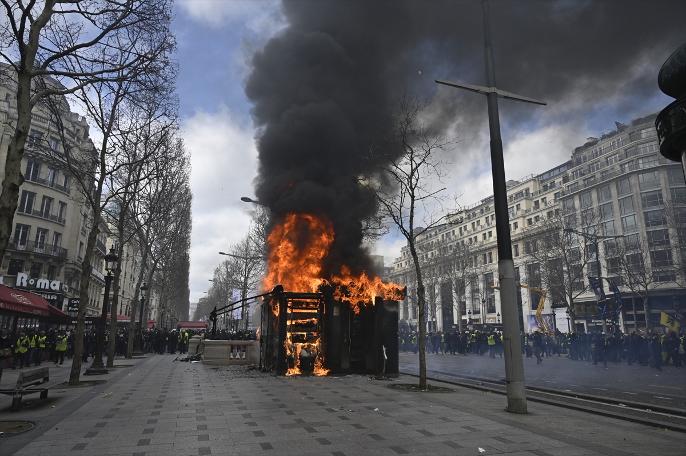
636	383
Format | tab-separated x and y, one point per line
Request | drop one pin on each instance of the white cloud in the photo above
224	163
257	15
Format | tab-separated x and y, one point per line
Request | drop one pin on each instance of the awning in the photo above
24	302
192	324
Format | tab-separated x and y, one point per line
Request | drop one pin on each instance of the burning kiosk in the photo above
320	316
318	333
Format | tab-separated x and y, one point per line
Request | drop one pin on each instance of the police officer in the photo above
21	351
60	347
491	345
41	339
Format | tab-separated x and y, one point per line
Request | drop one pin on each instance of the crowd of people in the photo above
653	349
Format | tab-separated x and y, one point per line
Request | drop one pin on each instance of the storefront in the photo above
23	310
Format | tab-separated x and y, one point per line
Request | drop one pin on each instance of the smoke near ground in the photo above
325	88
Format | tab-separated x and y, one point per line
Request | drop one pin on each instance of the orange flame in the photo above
298	247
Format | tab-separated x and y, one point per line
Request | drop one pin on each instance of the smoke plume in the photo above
324	89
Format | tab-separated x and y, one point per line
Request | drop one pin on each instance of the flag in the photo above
597	287
617	295
670	322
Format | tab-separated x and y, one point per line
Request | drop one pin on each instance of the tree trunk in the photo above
134	307
646	313
421	303
111	348
13	178
86	268
460	322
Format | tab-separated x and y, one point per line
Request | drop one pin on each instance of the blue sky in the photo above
215	41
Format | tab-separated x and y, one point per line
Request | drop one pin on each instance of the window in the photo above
606	211
517	207
490	234
80	249
63	211
604	194
516	249
537	204
544	201
56	239
675	176
586	200
661	258
632	242
629	223
658	238
21	234
664	276
41	236
648	180
46	206
652	199
623	186
490	257
678	195
515	225
529	222
626	205
15	266
35	271
654	218
646	162
52	176
52	272
32	170
26	202
54	144
608	228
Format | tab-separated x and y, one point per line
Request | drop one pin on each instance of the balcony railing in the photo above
40	214
39	248
102	248
47	183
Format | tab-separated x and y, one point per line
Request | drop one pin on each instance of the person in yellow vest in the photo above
41	338
21	350
491	345
60	347
33	343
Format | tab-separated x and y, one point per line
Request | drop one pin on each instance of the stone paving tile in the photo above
180	409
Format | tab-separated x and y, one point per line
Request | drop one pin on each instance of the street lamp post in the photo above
139	339
554	320
469	317
98	368
569	325
514	366
498	317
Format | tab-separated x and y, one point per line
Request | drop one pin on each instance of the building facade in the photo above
51	222
617	205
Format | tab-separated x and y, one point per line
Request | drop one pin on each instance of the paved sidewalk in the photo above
162	407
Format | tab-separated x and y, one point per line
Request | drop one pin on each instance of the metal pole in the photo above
600	284
98	368
138	340
514	367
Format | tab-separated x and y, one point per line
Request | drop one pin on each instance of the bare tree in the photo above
149	133
645	263
409	191
57	47
559	245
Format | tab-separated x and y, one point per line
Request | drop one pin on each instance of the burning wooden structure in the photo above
317	333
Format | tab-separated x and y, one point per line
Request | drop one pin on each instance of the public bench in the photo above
29	382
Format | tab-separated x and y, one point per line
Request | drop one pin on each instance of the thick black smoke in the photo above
325	88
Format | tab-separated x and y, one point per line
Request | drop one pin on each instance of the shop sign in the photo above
24	281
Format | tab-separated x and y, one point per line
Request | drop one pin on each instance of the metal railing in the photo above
39	248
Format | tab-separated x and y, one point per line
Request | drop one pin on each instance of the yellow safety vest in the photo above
41	341
21	346
61	345
32	342
491	340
